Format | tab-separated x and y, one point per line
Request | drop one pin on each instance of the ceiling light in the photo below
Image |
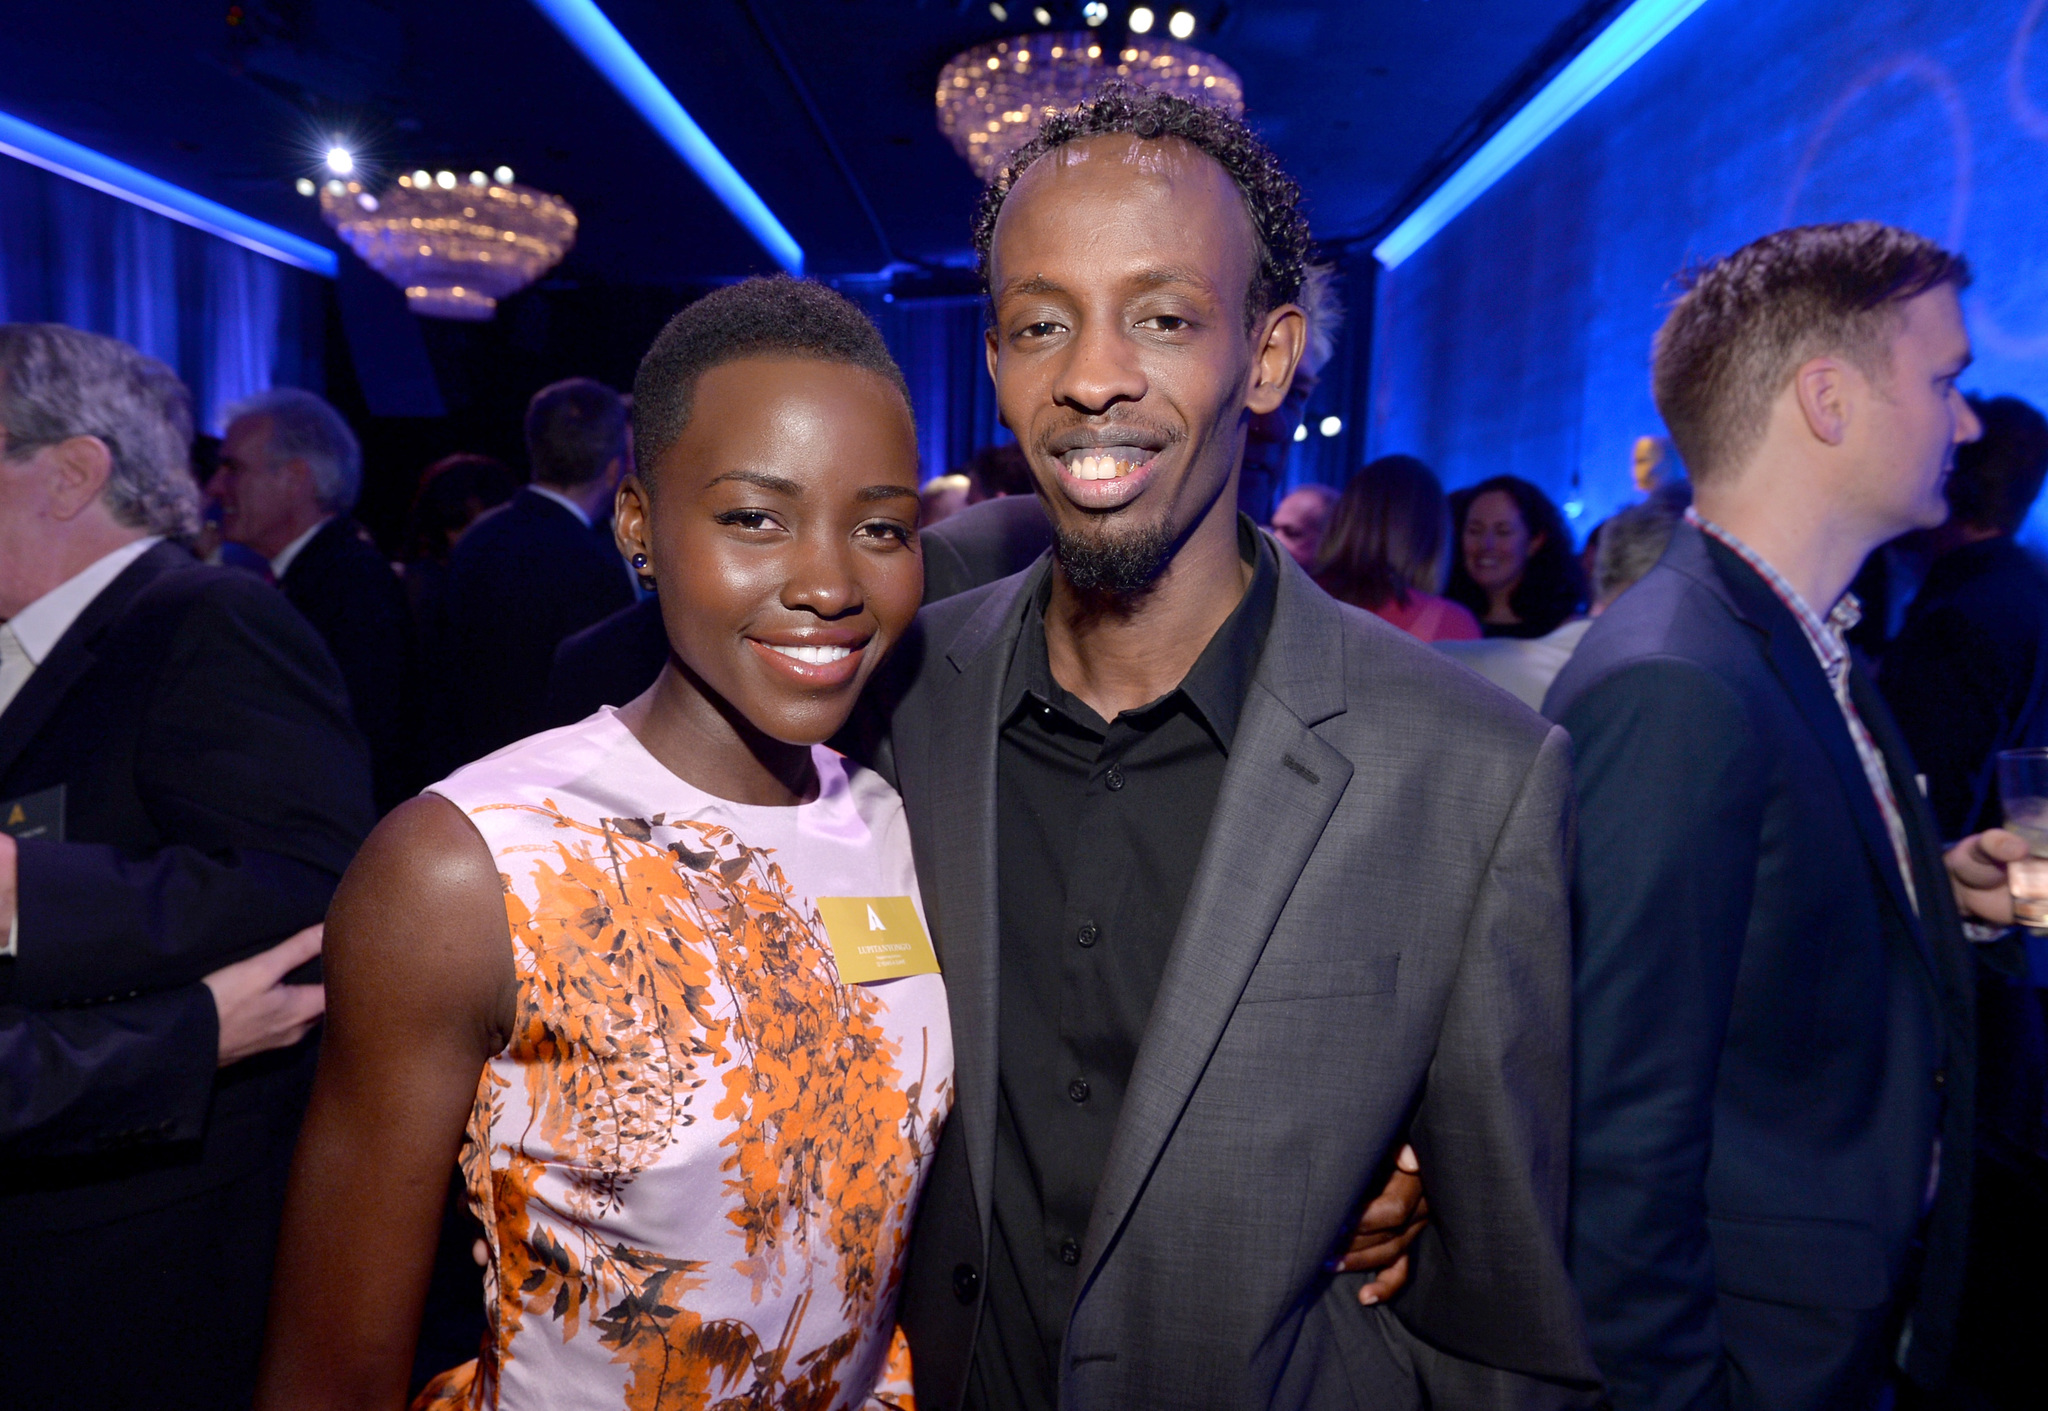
1301	433
455	253
420	178
991	98
1181	25
1141	20
445	180
1331	425
340	161
477	178
1629	36
503	176
75	162
999	12
307	187
585	26
1095	12
337	187
1042	15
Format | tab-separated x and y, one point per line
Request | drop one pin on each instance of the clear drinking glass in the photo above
2023	789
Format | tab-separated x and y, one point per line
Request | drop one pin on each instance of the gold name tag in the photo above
876	938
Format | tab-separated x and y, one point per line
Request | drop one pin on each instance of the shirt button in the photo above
965	1282
1078	1090
1115	778
1070	1253
1088	935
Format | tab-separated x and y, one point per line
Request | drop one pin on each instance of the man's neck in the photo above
1812	544
70	556
303	519
1121	651
590	497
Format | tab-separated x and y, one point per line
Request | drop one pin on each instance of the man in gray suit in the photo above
1236	889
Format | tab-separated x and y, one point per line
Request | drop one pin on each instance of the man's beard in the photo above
1113	563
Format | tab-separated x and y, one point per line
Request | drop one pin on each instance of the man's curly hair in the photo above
1271	196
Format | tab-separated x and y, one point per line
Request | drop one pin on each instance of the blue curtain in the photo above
938	344
230	321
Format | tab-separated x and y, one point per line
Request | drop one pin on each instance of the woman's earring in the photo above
639	563
640	569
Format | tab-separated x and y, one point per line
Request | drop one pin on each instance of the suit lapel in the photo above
957	744
74	654
1280	786
1799	671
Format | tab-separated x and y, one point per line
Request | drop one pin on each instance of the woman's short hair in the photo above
1747	321
58	382
1386	536
1553	586
772	317
304	427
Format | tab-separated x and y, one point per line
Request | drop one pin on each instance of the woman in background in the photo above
1384	550
1515	569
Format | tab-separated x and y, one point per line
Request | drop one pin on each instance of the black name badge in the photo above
39	816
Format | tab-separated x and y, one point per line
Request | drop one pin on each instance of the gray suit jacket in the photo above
1375	946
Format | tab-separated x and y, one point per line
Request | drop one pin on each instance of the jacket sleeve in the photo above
1671	794
76	1082
1493	1127
248	770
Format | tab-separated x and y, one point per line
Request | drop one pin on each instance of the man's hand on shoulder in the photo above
258	1011
1389	1224
1977	870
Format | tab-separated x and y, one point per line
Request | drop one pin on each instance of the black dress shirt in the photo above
1099	829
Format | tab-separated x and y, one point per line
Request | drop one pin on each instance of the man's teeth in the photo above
1099	467
817	656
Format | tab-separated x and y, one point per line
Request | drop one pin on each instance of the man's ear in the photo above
1823	388
1280	339
83	465
988	347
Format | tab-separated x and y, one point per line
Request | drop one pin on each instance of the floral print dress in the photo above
697	1158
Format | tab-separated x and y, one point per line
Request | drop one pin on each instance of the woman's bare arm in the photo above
420	991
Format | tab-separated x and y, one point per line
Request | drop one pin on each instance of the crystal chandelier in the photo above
455	245
993	97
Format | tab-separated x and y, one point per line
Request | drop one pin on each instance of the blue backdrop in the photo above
1518	339
230	321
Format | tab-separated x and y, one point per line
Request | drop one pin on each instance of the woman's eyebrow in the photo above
765	481
885	492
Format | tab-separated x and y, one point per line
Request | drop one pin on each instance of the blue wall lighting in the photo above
585	26
68	159
1633	33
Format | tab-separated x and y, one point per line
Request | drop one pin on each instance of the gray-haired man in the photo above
180	787
290	472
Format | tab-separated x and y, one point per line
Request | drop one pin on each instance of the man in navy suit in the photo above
532	572
1774	1048
175	740
290	473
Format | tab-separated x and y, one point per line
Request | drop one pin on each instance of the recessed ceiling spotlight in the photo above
477	178
1141	20
337	187
445	180
1181	25
306	186
1331	425
1042	15
1095	12
420	178
1301	433
503	176
340	161
999	11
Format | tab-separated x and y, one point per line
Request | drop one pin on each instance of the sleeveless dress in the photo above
697	1158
